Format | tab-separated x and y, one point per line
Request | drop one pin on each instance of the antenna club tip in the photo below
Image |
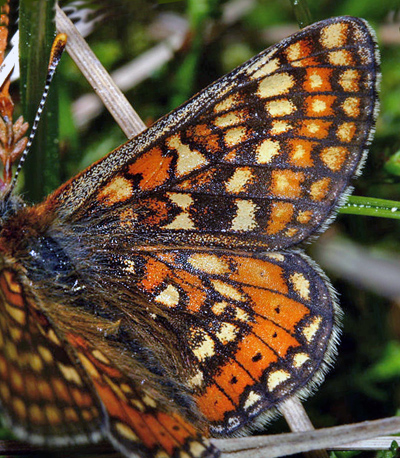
62	37
58	47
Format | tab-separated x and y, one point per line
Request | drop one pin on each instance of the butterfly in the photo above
162	296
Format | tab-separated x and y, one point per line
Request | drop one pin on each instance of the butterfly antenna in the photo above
55	55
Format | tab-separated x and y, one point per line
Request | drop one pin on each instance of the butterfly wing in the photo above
260	159
153	238
259	327
45	397
52	396
137	423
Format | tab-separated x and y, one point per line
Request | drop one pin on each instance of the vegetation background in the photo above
360	254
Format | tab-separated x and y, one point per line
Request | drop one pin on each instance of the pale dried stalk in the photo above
115	102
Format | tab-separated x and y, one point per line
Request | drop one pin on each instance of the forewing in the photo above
44	396
260	158
260	328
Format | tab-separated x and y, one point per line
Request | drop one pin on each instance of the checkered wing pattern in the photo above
45	396
159	296
260	159
258	327
57	388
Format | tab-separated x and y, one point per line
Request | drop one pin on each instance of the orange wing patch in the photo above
254	318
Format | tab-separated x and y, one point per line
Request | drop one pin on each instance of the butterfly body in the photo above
160	296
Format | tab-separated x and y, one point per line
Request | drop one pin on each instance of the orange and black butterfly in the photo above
161	296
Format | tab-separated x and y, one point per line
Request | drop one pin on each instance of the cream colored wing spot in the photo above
184	201
45	353
318	106
235	136
241	315
209	263
238	182
334	157
228	119
100	357
227	290
218	308
188	159
181	222
299	359
340	58
263	67
245	217
349	80
53	337
275	256
312	328
125	431
351	106
319	189
280	127
267	150
315	80
334	35
291	232
202	345
227	333
227	103
294	51
301	285
15	313
281	107
149	401
276	378
196	380
119	189
169	296
89	366
346	131
252	399
138	405
70	374
276	84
